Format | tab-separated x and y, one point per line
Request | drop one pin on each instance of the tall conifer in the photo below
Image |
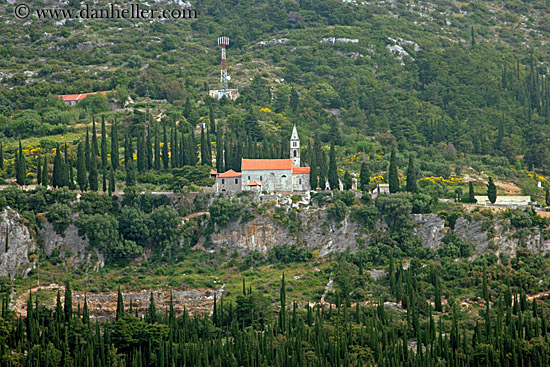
393	175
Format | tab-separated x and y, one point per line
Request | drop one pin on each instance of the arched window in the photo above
295	154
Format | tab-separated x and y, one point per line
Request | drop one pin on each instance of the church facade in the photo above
269	175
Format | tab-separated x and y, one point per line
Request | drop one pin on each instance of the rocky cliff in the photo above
316	231
16	244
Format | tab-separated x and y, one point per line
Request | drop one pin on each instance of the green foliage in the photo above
223	211
393	175
285	254
366	215
337	211
59	216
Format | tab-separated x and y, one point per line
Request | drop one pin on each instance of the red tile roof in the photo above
254	183
265	164
301	170
230	173
213	172
78	97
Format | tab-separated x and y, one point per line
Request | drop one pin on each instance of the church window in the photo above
260	178
236	181
223	181
300	181
283	176
248	178
294	153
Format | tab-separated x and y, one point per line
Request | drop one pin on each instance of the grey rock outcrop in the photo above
13	232
73	249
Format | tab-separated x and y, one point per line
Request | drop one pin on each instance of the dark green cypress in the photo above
95	145
44	178
65	171
119	305
173	149
141	161
219	151
1	156
130	165
332	169
68	306
149	149
57	176
203	147
112	182
364	177
38	171
165	158
81	176
114	145
93	174
151	315
157	149
547	196
471	193
72	185
104	159
393	175
491	191
411	176
192	144
20	167
208	148
88	151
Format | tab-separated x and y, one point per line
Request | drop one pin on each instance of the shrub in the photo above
337	211
60	217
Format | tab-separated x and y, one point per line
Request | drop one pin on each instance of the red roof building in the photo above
73	99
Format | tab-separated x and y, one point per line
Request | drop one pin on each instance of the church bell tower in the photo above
295	148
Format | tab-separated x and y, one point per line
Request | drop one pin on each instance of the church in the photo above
268	175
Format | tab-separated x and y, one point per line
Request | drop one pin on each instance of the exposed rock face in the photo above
73	249
15	261
316	231
263	233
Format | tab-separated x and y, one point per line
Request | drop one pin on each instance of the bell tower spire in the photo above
295	148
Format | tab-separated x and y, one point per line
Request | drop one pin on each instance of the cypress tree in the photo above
149	149
491	191
203	147
157	149
173	149
65	171
71	175
208	148
57	176
212	120
93	174
141	161
87	151
114	145
44	178
411	176
112	182
130	166
20	169
119	305
81	177
471	193
1	156
393	175
151	315
95	145
165	158
68	306
219	151
38	171
104	153
332	170
192	149
364	177
547	196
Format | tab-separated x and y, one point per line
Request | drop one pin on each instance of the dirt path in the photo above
538	295
197	214
20	305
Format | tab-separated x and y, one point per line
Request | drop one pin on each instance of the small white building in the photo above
381	189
